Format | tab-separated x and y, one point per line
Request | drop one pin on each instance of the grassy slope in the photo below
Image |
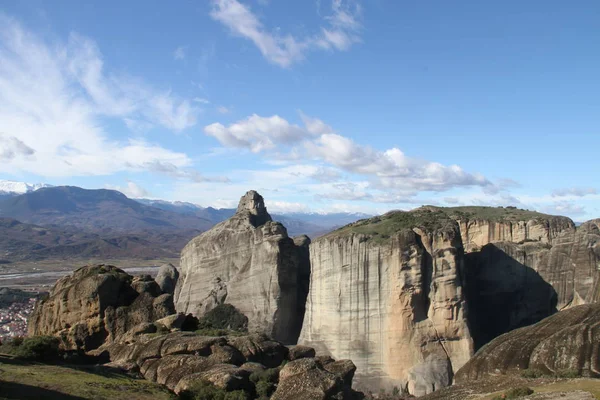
19	380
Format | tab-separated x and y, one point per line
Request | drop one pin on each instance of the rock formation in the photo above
566	341
387	293
167	278
513	285
177	360
250	262
96	304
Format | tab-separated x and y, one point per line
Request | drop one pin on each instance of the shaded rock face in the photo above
97	304
395	308
250	262
513	285
567	340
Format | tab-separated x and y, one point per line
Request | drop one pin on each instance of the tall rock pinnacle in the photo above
253	203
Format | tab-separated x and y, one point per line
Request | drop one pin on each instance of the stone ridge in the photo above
478	225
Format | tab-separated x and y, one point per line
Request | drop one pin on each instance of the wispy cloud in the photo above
58	95
341	31
179	53
574	192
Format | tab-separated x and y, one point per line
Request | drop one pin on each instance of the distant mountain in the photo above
97	211
15	188
311	224
26	242
46	222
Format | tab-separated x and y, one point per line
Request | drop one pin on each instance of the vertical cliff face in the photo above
388	294
513	285
250	262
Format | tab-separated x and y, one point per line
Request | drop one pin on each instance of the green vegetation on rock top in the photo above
430	218
383	227
492	213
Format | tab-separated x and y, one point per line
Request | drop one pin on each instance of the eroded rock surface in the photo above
250	262
177	360
566	341
387	293
96	304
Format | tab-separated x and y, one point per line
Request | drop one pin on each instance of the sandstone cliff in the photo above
250	262
387	293
97	304
482	225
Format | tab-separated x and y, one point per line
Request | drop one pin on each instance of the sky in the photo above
320	105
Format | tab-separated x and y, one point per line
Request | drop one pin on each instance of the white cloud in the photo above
56	98
391	170
223	110
574	192
201	100
132	190
179	53
567	208
340	33
257	133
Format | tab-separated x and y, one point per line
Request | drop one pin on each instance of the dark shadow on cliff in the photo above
13	390
503	294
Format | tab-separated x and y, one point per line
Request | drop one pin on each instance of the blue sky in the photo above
320	105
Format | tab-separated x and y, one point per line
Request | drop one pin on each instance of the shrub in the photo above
568	373
202	390
532	373
515	393
270	375
35	348
264	389
224	316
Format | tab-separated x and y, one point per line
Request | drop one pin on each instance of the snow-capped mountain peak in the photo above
13	187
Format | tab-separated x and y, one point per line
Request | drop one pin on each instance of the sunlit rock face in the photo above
389	296
250	262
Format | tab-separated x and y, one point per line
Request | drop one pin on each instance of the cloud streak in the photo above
340	33
58	96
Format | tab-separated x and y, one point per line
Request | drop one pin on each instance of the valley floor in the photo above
544	388
22	380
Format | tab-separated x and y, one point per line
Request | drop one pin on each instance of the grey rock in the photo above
167	278
250	262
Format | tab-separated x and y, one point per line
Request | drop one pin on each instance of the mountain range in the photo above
39	221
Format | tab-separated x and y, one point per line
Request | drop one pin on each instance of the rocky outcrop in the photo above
387	293
177	360
250	262
167	278
477	233
315	379
513	285
482	225
566	341
96	304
